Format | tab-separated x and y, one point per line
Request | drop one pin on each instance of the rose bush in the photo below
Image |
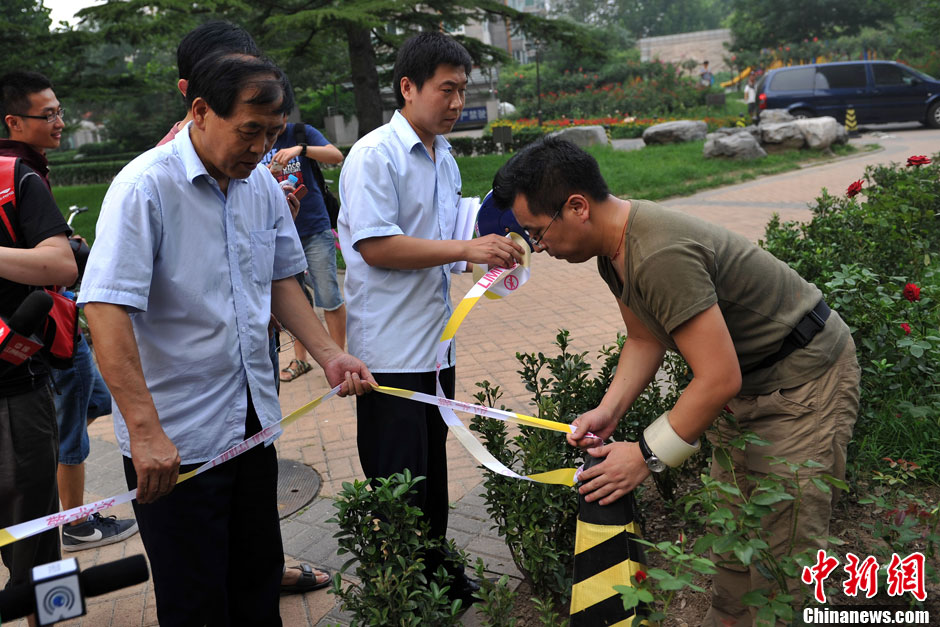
877	261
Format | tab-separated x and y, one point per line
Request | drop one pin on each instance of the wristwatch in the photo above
652	462
303	150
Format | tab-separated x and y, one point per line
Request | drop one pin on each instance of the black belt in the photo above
801	335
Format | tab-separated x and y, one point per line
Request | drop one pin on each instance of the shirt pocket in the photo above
262	255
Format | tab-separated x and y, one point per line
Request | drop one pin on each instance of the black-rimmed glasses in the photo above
50	118
538	243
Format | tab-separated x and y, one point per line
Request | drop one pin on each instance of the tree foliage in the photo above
127	47
25	25
641	18
759	24
373	30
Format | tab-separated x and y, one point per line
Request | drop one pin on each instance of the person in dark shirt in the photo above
35	252
292	156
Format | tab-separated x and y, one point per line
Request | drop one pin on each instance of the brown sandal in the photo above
295	369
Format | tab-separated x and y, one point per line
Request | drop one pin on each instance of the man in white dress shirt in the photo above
399	190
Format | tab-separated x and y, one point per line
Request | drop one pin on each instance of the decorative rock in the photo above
775	116
781	135
740	145
732	130
675	132
821	132
583	136
842	136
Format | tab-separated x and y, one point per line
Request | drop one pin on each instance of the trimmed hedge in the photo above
85	173
71	158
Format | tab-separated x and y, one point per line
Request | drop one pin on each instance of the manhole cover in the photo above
297	485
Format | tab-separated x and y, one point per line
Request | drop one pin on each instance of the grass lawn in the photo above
653	173
84	196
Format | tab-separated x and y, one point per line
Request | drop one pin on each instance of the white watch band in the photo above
666	444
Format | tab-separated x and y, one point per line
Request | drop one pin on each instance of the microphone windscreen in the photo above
105	578
29	317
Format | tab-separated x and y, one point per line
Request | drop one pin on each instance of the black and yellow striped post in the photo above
606	554
851	124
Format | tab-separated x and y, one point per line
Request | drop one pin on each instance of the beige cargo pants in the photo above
811	421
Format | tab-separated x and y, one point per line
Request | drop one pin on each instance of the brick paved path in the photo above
559	295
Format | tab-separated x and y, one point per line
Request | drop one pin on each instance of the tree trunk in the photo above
365	78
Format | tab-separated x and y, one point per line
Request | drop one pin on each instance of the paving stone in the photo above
495	547
294	609
467	524
461	539
317	512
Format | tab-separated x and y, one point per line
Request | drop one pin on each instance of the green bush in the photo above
99	148
537	521
85	173
631	87
73	158
389	538
863	255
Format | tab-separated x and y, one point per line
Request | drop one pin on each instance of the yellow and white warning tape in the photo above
24	530
494	283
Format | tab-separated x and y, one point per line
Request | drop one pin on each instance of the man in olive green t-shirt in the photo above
758	338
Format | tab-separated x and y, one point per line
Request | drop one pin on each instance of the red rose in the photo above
640	576
854	188
918	160
911	292
906	327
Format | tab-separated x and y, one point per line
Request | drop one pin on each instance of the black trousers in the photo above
396	433
29	453
214	542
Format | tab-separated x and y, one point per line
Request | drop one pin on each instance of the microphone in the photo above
58	590
123	573
19	336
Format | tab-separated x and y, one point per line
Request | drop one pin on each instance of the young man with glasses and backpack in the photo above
81	395
34	251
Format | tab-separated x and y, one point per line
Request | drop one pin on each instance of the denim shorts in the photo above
320	249
82	396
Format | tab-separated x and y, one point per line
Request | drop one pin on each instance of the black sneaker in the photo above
97	531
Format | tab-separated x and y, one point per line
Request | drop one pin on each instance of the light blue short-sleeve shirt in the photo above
193	267
390	186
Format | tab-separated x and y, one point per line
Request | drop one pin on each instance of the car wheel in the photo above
800	114
933	115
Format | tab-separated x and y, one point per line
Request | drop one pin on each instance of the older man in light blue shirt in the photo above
195	248
193	267
399	191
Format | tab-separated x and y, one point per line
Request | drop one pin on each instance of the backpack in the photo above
332	205
61	330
